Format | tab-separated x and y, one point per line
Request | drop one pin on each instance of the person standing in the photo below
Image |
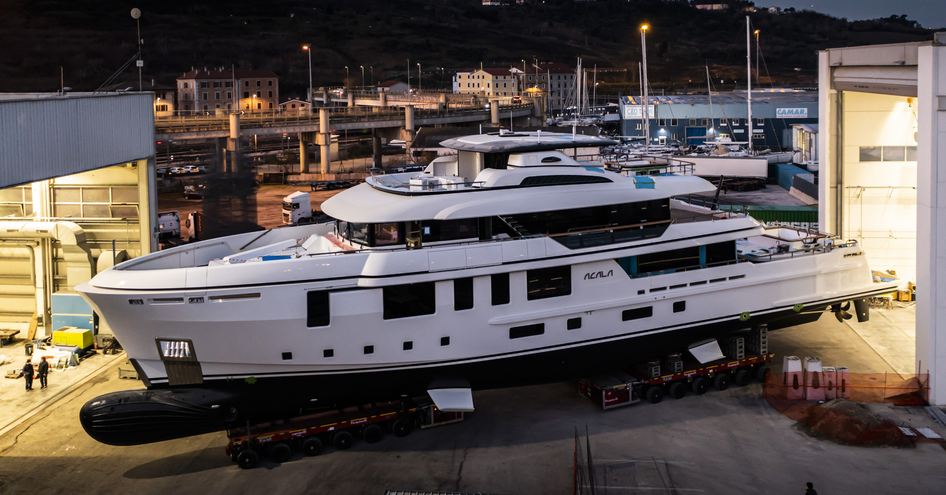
28	374
42	372
810	489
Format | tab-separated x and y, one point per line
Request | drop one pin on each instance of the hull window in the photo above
369	349
549	282
403	301
573	323
679	306
462	294
527	331
327	353
637	313
318	314
407	345
444	341
500	286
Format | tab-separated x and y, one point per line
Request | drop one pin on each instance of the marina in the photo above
466	247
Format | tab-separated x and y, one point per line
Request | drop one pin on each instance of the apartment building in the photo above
220	89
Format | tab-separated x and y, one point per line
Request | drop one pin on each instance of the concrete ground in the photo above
892	334
772	194
16	402
519	441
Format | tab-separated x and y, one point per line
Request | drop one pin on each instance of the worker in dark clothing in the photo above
810	489
28	374
42	372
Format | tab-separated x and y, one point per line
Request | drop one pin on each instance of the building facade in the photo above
491	81
557	82
693	120
165	101
213	90
295	105
77	195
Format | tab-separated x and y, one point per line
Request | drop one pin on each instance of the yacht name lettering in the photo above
598	274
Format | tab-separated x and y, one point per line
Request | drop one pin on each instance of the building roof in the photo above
497	71
721	98
226	74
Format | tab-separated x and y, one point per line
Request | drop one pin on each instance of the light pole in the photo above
362	77
308	49
346	78
408	76
756	33
646	111
136	15
418	78
523	90
371	74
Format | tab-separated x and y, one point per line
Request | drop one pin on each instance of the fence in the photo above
878	388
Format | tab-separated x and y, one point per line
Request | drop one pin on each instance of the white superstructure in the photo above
509	250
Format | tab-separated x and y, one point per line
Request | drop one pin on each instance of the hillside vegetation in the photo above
90	39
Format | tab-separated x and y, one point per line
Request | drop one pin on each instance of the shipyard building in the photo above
76	197
695	119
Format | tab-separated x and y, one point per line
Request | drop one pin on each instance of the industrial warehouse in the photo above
718	291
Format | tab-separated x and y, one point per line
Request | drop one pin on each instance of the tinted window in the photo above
527	331
870	153
448	230
637	313
573	323
720	253
500	288
894	153
386	234
462	294
668	261
402	301
317	314
548	282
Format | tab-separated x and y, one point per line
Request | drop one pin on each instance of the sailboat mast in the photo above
640	97
646	114
749	80
709	92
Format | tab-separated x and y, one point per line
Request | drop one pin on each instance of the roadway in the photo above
277	123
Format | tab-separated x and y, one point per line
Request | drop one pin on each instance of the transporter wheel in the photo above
248	459
761	372
342	440
655	394
402	427
742	377
699	385
279	452
373	433
311	446
721	381
678	390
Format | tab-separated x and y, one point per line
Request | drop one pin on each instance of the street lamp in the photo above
756	33
418	78
371	74
645	111
136	15
362	76
346	78
308	49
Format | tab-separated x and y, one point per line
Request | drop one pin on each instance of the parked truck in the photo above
169	226
297	209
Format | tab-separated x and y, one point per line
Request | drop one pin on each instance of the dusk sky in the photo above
929	13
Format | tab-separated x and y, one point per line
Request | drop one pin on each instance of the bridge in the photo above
319	127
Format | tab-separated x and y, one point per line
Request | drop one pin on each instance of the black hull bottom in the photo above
129	418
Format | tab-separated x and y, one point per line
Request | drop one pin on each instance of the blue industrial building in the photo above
690	119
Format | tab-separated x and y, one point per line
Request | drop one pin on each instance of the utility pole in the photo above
362	77
419	89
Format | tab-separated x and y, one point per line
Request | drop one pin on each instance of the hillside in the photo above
91	39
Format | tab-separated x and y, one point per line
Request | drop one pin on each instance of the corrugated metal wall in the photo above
51	136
